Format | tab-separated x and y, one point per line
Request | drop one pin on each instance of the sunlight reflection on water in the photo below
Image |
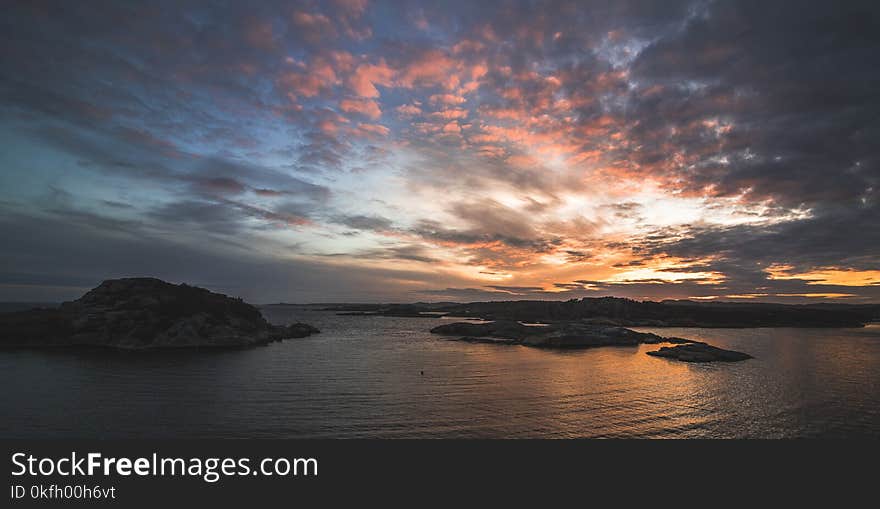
361	378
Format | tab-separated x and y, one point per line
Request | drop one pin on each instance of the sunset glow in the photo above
829	276
404	151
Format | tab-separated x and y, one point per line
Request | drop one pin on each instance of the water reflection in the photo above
362	377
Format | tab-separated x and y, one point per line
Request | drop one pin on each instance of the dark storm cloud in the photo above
845	236
143	157
796	85
206	183
93	251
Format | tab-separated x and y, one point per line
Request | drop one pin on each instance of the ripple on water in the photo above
361	377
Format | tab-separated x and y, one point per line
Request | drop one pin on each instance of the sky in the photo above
368	151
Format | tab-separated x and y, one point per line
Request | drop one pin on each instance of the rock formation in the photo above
700	352
144	313
558	335
583	335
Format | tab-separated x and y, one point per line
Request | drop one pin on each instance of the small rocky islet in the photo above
146	313
699	352
583	335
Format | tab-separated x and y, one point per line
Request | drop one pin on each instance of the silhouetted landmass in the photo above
558	335
415	310
9	307
626	312
700	352
583	335
142	313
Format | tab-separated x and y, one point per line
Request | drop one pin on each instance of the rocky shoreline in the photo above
145	313
583	335
699	352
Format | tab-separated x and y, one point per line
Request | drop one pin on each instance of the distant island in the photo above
632	313
594	322
145	313
148	313
573	334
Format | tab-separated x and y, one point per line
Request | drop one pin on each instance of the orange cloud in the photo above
313	26
321	74
478	71
410	110
491	151
450	113
373	129
469	87
367	107
331	125
432	68
452	127
301	85
485	138
827	276
366	76
450	99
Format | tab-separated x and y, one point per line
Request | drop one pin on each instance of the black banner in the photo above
147	473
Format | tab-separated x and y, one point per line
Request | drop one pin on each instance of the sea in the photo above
386	377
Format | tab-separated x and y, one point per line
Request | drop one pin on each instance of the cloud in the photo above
371	130
313	26
369	109
533	149
93	252
367	76
211	216
361	222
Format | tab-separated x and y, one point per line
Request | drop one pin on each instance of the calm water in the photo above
361	378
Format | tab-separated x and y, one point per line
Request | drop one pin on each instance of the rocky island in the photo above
560	335
699	352
145	313
583	335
